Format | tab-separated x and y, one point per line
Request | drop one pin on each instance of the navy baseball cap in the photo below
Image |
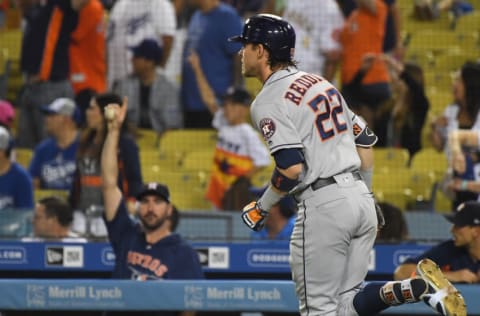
466	214
148	49
237	95
154	188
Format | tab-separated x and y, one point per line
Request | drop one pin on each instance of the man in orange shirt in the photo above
87	52
44	63
365	87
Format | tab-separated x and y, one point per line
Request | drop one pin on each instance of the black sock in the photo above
367	302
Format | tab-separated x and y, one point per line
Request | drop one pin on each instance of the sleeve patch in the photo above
267	126
356	129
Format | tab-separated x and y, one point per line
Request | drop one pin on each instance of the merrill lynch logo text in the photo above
84	292
240	293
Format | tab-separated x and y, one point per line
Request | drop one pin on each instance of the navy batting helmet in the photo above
272	31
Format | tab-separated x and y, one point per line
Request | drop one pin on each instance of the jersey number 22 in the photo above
328	107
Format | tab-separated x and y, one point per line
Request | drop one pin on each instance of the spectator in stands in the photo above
276	7
392	42
53	163
463	114
280	222
410	105
7	114
149	251
363	96
16	190
130	22
52	219
458	161
88	68
316	29
430	9
365	86
86	189
153	100
246	8
44	63
459	257
239	153
4	4
210	27
395	228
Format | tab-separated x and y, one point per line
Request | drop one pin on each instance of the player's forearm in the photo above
292	172
366	157
283	181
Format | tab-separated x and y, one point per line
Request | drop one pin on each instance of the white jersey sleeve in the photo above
256	148
277	129
165	22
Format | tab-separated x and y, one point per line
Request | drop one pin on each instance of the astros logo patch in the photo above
356	129
268	127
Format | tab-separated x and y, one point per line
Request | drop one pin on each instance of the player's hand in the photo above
115	114
253	216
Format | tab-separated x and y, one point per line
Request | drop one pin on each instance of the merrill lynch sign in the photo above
72	296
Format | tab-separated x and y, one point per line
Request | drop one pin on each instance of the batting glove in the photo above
253	216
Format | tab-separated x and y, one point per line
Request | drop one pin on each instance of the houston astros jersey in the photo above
296	109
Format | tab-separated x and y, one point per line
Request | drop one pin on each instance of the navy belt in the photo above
323	182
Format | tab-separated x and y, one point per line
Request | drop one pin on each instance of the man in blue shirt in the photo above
459	257
207	34
149	251
53	163
16	191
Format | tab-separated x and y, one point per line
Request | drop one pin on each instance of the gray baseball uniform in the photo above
336	222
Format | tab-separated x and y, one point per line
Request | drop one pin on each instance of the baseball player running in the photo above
307	126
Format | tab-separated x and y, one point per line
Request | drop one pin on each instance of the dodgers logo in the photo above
267	126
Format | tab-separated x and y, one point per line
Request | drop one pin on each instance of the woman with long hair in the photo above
86	193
